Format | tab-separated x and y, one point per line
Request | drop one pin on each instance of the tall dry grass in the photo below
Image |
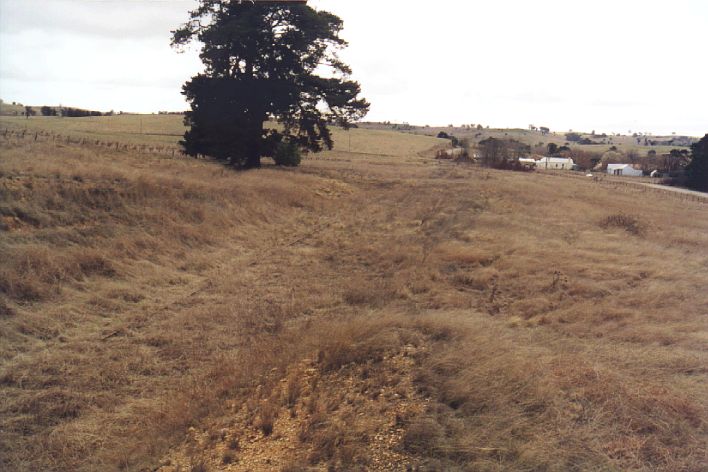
376	311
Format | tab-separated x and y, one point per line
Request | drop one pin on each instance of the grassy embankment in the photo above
362	311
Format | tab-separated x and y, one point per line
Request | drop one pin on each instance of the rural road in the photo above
678	190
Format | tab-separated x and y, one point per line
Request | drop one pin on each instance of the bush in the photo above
628	223
287	154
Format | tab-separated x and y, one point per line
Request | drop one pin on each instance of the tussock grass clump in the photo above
266	420
628	223
32	272
423	436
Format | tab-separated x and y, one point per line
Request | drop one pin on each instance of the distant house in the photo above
625	170
555	163
527	161
454	152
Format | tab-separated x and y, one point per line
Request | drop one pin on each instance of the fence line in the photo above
48	136
630	187
174	152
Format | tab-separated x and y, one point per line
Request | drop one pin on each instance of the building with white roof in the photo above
555	163
625	170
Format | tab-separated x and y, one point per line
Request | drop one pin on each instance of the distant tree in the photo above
480	127
633	156
675	160
552	149
544	130
465	145
29	111
502	153
697	170
47	111
443	135
573	137
650	161
586	160
265	62
78	113
492	152
610	157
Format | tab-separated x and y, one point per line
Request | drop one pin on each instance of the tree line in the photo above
71	112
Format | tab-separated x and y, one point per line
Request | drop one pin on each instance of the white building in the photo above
555	163
625	170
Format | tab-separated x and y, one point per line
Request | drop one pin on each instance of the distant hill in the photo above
11	109
538	139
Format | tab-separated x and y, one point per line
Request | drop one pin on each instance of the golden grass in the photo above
377	311
131	129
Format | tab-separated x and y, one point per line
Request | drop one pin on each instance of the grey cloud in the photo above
105	19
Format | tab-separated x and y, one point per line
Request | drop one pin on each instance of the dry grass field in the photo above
374	309
624	143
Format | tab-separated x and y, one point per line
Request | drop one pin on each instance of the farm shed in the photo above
623	169
556	163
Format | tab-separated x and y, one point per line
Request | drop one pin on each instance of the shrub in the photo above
228	458
266	418
423	436
628	223
287	154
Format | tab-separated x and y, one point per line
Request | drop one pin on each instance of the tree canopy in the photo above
265	63
697	170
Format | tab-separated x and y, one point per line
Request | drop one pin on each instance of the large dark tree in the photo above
265	64
697	170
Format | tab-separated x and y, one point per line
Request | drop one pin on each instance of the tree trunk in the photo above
253	160
253	151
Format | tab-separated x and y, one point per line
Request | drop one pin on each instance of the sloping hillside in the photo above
371	310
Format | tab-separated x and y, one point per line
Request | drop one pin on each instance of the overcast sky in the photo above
607	65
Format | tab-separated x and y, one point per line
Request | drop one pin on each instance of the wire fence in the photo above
640	185
9	136
636	185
